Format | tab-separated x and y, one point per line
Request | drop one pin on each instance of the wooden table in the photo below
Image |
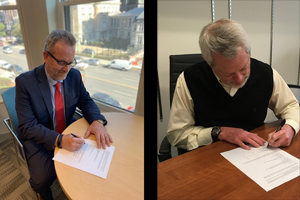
205	174
125	178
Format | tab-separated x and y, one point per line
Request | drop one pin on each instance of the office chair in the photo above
12	124
178	63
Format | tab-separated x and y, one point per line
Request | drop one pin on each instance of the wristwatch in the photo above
103	122
215	133
59	141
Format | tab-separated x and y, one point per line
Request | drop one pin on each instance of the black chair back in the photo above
178	63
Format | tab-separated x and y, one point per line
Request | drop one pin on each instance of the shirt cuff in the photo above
204	138
294	125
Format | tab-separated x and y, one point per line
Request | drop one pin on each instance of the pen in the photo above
75	136
280	125
278	129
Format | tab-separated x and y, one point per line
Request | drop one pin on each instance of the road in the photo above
120	85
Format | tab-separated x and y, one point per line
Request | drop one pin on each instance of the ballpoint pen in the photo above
75	136
278	129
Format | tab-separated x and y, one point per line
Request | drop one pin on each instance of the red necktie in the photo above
59	109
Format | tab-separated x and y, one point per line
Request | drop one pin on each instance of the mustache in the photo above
240	85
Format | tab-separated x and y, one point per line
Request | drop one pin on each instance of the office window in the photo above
13	60
109	62
8	3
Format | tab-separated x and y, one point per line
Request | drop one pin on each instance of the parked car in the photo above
22	51
106	99
120	64
19	41
4	64
7	50
88	51
81	66
16	69
92	61
14	43
78	59
131	108
5	47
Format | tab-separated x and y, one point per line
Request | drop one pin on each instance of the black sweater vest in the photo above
213	106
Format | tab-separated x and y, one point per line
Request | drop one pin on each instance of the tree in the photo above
117	43
17	30
2	30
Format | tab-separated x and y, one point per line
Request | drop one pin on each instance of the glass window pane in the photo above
13	60
109	50
8	3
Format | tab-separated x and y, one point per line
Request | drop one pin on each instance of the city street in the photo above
122	86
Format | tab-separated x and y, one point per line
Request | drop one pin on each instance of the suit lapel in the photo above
43	86
67	100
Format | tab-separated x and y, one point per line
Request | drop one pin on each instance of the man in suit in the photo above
46	99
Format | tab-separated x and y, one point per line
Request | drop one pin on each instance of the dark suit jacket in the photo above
34	107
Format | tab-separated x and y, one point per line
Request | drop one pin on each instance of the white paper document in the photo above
268	167
88	158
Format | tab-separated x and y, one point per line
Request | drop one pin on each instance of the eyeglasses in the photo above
62	62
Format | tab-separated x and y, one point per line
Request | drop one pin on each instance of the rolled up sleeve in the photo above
284	103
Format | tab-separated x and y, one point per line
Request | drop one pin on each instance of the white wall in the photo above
286	39
180	23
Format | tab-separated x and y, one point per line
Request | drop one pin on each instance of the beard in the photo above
238	85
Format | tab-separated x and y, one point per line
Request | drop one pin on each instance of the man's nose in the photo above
238	77
66	68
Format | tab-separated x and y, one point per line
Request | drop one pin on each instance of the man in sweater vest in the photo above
227	95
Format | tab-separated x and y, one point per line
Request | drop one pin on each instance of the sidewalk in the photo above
7	79
6	74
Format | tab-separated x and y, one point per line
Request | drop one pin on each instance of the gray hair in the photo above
225	37
57	35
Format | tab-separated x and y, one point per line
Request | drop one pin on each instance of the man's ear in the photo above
46	56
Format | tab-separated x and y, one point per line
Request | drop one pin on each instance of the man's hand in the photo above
102	137
72	143
282	137
240	137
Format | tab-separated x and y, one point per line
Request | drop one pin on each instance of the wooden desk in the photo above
205	174
125	178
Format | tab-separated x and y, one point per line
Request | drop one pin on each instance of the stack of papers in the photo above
88	158
268	167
